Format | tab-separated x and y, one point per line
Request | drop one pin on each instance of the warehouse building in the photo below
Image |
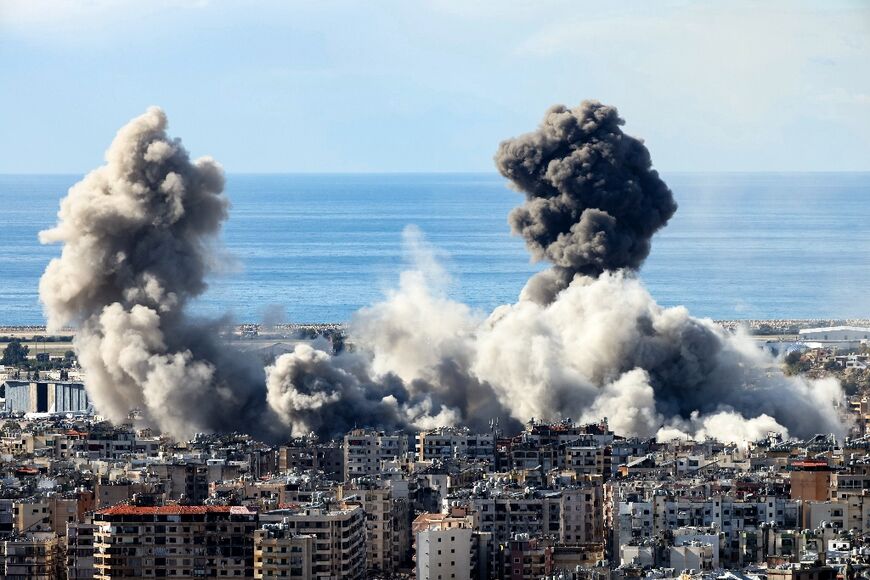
45	397
835	337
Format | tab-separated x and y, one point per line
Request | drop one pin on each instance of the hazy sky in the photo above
373	85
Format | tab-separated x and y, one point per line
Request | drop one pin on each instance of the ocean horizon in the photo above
319	246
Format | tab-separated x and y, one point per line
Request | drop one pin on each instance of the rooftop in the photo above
173	510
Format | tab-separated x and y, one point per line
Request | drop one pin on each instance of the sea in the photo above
311	248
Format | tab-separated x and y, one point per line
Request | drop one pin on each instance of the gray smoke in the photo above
593	200
585	340
138	237
586	337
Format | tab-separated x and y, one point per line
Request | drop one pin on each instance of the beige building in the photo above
279	552
582	512
30	557
339	538
388	520
810	480
46	514
450	442
80	551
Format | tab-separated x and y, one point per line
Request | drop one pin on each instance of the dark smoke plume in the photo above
138	234
593	200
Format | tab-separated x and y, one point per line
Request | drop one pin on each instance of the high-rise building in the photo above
388	519
80	551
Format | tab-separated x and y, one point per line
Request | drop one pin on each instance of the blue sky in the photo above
324	86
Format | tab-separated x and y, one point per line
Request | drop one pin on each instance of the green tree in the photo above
15	353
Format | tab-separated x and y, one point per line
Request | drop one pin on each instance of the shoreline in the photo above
754	325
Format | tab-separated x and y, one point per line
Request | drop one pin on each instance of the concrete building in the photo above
450	442
45	514
388	519
174	541
810	480
835	337
326	457
802	572
80	551
279	552
444	552
340	538
582	513
30	557
693	556
46	397
641	555
364	451
525	558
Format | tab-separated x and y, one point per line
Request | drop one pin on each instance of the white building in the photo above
835	337
697	537
642	556
444	553
692	556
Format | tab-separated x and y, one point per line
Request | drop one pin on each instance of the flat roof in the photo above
173	510
833	328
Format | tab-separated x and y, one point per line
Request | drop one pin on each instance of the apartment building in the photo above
30	557
80	551
388	519
174	541
364	451
280	552
445	545
339	538
450	442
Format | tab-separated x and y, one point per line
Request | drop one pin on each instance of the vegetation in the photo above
15	354
796	364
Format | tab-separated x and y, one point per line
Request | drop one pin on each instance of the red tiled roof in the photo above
288	506
810	463
165	510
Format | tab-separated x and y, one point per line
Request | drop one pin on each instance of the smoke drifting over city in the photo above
585	339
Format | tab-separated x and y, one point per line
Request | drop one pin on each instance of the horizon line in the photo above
478	172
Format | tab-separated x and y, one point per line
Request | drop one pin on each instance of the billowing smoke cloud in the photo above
585	340
413	368
138	234
593	200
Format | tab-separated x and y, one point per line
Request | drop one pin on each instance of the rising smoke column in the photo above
412	370
585	340
138	235
593	200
